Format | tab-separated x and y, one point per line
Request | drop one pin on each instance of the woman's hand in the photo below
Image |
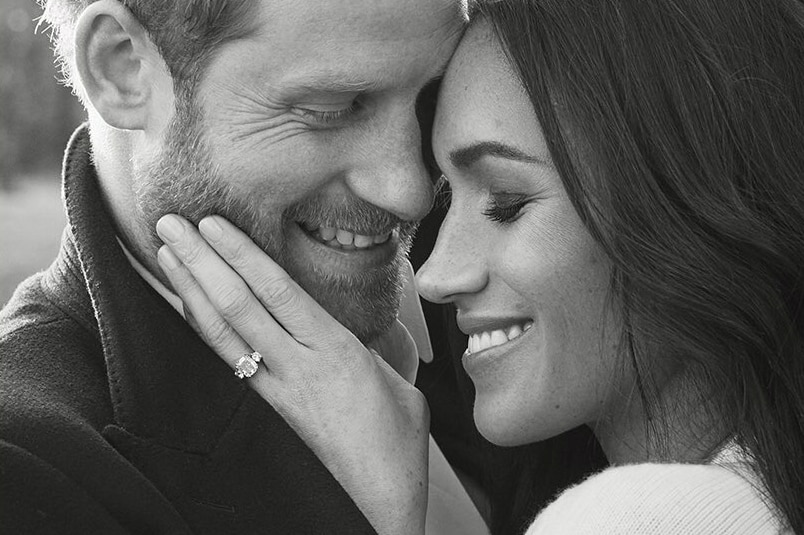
368	425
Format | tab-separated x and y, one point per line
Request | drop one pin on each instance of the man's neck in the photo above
113	159
173	299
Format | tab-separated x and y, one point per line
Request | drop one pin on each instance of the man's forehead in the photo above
350	46
360	19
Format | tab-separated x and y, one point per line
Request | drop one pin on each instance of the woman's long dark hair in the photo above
677	127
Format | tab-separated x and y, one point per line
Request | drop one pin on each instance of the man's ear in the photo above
120	68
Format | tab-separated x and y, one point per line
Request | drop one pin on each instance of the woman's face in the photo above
528	281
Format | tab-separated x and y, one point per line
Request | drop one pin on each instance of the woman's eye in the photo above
505	207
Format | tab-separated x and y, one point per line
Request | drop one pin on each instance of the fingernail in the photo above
169	228
210	229
167	257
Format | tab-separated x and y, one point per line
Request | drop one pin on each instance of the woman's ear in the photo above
119	67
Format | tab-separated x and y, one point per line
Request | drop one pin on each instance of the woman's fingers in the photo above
210	325
353	412
287	302
202	316
223	289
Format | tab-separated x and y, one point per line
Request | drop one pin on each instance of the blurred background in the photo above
37	116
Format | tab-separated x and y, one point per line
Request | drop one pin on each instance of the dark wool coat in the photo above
117	418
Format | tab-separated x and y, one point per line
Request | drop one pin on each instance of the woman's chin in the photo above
505	427
499	427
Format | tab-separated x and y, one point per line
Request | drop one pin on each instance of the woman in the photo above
625	250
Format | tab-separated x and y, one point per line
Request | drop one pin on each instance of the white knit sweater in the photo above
666	499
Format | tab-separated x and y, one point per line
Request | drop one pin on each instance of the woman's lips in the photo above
486	339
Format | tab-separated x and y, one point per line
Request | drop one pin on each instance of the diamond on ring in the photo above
246	366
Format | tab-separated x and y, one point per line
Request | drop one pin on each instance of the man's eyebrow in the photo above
469	155
328	83
334	82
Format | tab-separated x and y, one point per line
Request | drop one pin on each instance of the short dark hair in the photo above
677	127
186	33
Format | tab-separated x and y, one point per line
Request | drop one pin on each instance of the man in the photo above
295	120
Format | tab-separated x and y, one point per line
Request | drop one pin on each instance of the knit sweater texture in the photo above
722	498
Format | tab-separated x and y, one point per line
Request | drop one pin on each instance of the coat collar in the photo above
166	384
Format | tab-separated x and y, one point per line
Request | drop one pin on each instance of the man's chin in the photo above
366	305
366	330
366	317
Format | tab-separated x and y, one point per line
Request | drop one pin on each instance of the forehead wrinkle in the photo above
368	72
344	46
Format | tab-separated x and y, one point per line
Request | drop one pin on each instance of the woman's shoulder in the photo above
660	498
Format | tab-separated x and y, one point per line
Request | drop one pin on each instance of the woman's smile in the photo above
513	256
487	347
487	339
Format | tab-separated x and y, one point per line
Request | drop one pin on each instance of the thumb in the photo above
398	384
398	349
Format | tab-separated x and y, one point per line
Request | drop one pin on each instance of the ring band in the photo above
247	365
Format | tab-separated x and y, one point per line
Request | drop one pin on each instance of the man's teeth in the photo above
486	339
336	237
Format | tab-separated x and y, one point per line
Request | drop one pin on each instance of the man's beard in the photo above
184	180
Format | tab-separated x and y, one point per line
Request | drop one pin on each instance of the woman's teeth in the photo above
343	239
486	339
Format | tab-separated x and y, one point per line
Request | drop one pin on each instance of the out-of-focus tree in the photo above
37	112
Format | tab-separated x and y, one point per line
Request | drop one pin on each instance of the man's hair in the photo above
676	127
186	32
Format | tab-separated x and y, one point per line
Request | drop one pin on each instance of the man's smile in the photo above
347	240
340	251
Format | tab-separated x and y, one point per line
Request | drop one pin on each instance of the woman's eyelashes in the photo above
504	207
442	191
501	206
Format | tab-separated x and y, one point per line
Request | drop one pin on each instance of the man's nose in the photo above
458	264
390	173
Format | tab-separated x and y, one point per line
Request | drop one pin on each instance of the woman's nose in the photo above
457	265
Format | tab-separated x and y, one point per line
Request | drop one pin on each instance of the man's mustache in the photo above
354	215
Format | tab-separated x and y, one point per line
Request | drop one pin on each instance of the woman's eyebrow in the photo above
467	156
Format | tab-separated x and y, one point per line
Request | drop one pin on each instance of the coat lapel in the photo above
220	454
166	384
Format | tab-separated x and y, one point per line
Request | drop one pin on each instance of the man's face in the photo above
305	136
